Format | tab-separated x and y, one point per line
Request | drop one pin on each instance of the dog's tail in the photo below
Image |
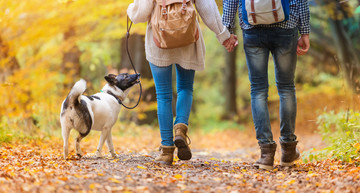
77	90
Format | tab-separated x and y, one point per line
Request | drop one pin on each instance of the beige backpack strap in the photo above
252	13
163	9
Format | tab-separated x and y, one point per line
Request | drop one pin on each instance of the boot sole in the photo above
289	164
265	167
184	152
164	163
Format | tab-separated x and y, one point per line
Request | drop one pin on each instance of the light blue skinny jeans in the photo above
163	85
282	43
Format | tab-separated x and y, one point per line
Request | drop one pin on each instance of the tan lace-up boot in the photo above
166	155
184	152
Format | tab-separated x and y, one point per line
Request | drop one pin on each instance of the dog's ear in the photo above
111	79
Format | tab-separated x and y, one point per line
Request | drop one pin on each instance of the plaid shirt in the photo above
299	16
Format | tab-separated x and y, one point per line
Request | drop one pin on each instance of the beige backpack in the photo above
174	23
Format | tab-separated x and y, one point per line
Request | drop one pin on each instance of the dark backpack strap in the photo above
252	13
276	17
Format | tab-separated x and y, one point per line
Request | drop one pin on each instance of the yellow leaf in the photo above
178	176
114	180
291	182
92	186
206	163
100	174
77	176
141	167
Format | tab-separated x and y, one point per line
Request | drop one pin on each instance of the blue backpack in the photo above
255	12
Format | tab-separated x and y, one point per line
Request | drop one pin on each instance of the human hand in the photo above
303	45
231	43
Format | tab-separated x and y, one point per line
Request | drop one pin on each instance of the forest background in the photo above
46	46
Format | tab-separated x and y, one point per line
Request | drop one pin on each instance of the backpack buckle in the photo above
164	11
184	6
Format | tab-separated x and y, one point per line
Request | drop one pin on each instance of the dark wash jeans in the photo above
282	43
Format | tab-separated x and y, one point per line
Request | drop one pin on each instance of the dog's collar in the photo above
112	94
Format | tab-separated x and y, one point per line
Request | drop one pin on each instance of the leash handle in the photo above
128	27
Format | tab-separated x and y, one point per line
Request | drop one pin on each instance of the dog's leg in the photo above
65	135
77	142
103	137
110	145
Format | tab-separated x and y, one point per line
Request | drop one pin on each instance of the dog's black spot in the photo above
65	105
78	139
96	97
90	97
83	112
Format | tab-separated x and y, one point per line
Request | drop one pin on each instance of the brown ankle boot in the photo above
166	156
266	160
184	152
290	153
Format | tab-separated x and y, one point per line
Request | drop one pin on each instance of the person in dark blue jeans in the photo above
282	41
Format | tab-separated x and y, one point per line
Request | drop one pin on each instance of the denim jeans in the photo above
282	43
163	86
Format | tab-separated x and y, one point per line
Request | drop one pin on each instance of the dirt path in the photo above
222	162
39	168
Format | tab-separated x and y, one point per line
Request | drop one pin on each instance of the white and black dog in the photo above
97	112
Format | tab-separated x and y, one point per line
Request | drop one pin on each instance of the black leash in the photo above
132	64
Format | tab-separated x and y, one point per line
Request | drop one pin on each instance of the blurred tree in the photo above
229	85
71	59
8	62
342	41
137	53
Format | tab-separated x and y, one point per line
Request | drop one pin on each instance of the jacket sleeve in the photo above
304	17
140	11
210	15
230	8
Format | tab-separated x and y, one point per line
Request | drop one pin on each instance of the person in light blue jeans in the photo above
186	59
163	84
282	41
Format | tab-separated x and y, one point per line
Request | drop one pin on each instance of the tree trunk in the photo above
71	60
8	63
346	53
229	88
137	52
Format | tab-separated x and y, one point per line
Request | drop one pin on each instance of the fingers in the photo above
302	48
303	45
231	43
